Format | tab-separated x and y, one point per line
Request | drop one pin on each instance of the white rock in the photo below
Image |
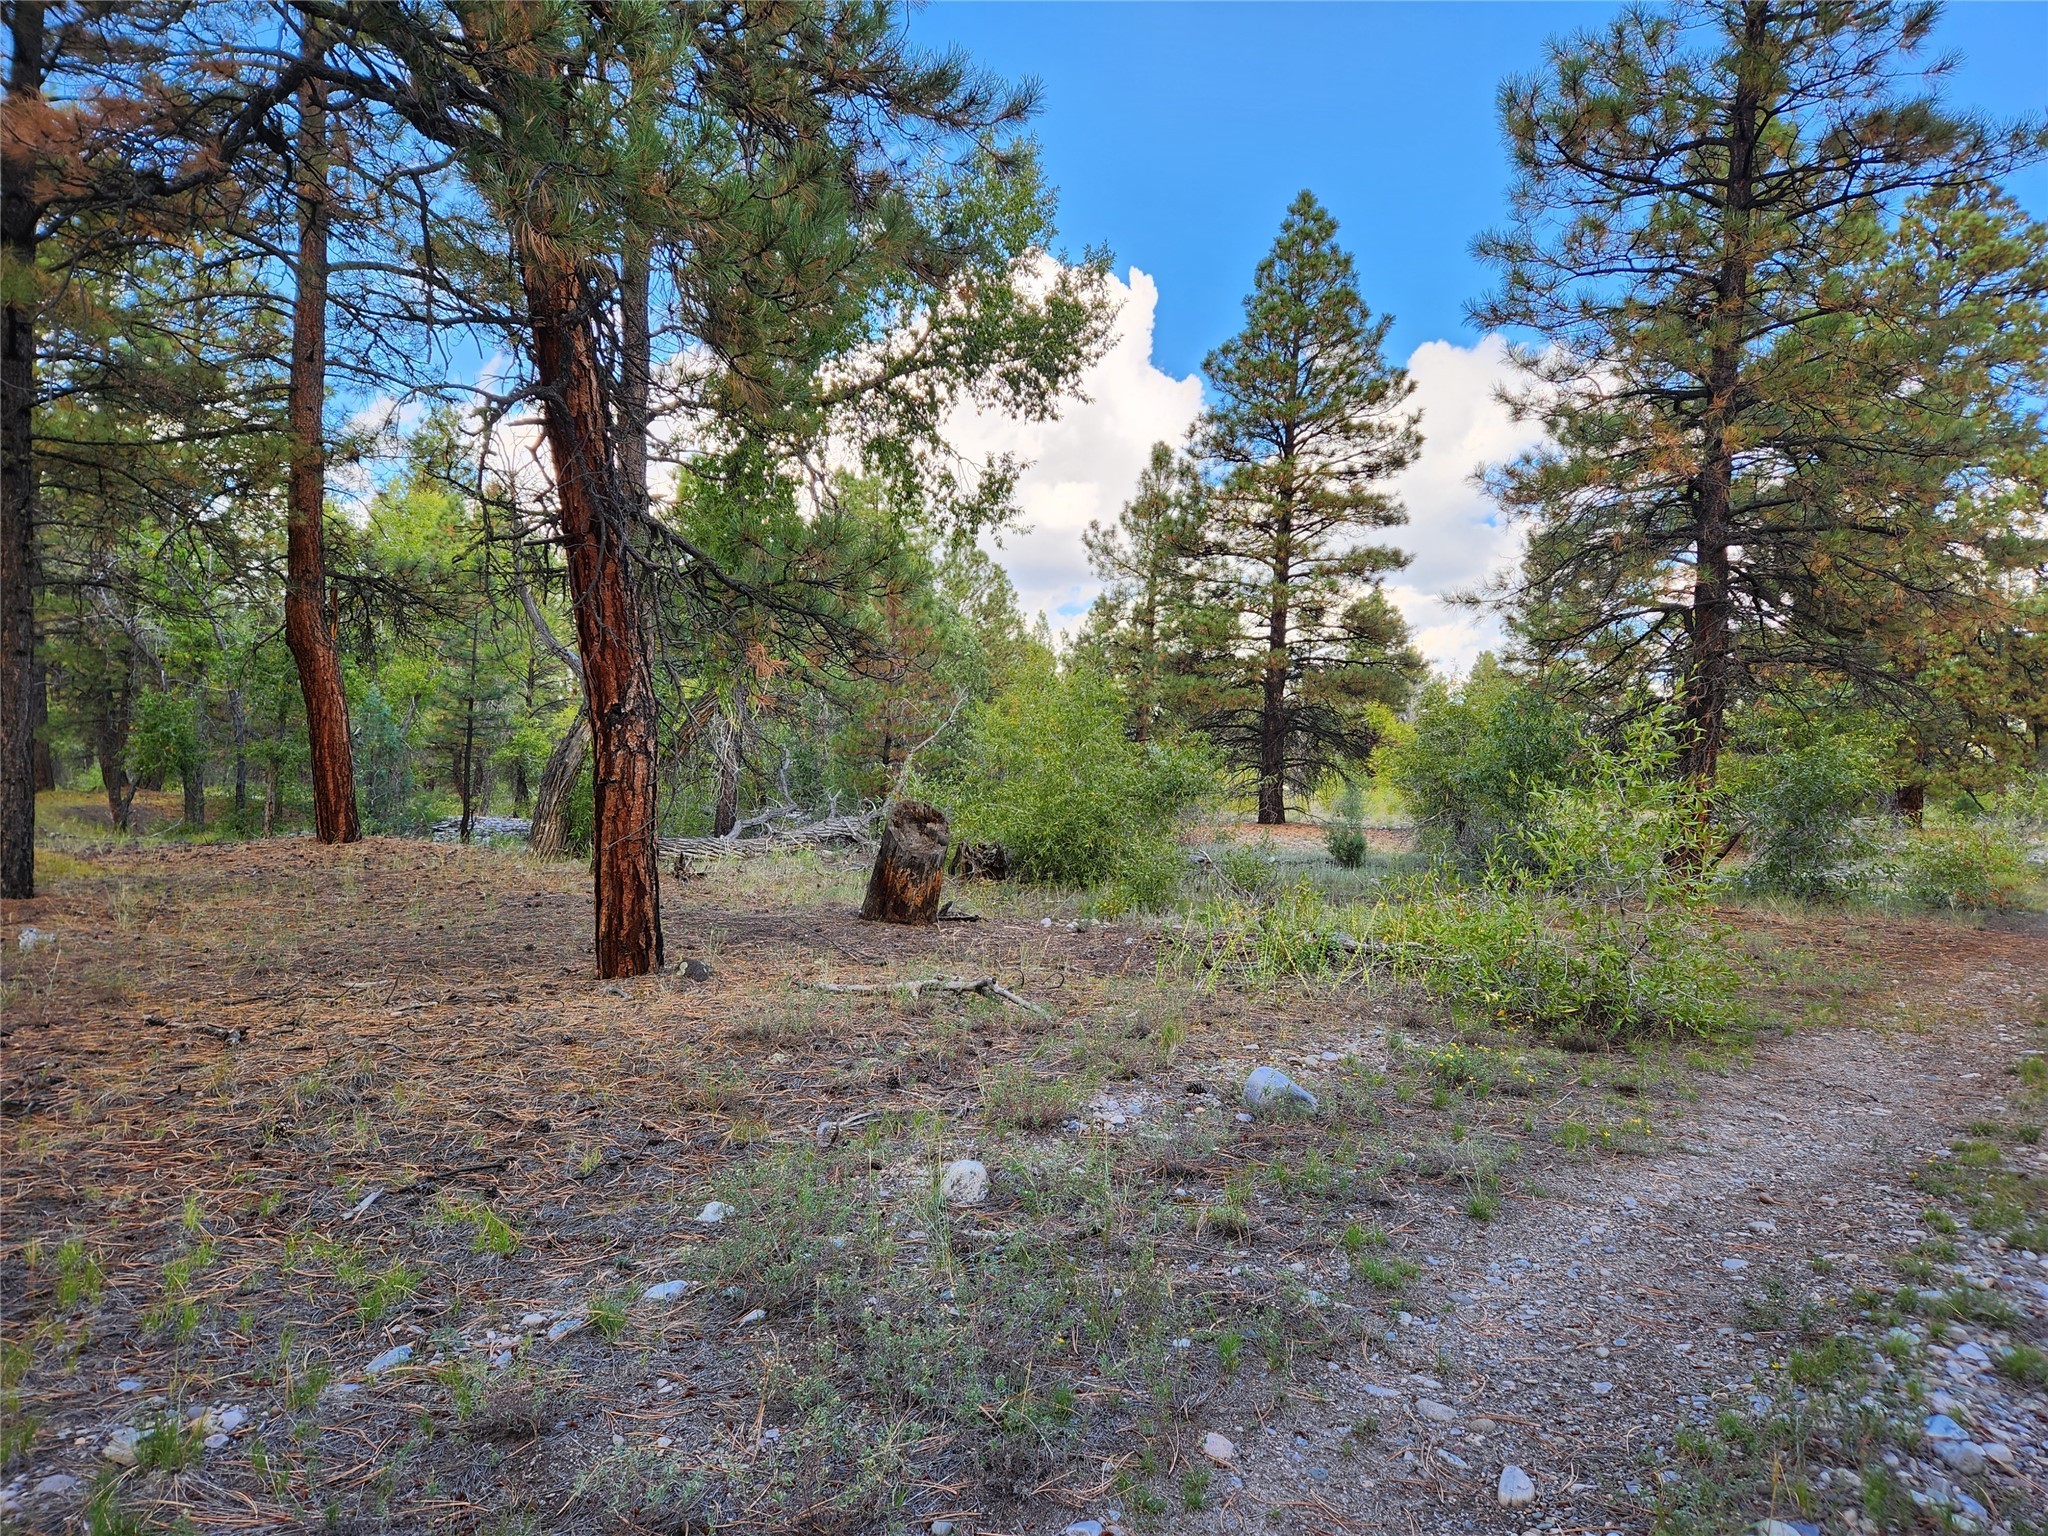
668	1290
753	1317
32	939
398	1354
1965	1457
228	1420
564	1326
1270	1090
533	1319
56	1485
1776	1528
1082	1528
714	1212
215	1442
1516	1488
1734	1266
1436	1412
1999	1452
120	1446
964	1182
1218	1449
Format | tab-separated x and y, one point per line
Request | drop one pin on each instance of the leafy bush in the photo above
1345	837
1050	776
383	767
1964	869
1477	760
1801	804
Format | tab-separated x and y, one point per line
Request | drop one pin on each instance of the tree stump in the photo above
909	866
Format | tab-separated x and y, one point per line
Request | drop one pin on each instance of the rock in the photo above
1218	1449
2001	1453
828	1132
1082	1528
1776	1528
941	1528
1436	1412
1940	1426
694	970
397	1354
574	1322
1602	1388
1271	1091
55	1486
714	1212
228	1420
964	1182
668	1290
215	1442
1516	1488
1975	1354
753	1317
127	1384
32	939
119	1447
1734	1266
1452	1460
1963	1456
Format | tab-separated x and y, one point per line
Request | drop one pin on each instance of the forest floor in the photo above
338	1195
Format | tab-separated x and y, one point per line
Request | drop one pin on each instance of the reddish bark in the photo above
18	694
909	866
308	624
617	679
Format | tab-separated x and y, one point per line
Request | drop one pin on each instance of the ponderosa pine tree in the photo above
1760	420
1308	423
1144	563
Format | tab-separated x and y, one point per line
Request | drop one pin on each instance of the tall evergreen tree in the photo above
1763	423
1308	423
1144	565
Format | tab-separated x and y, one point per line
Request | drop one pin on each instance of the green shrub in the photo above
579	813
1050	776
383	767
1345	837
1800	803
1967	869
1477	760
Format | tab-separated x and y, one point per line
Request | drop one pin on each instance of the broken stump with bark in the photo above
910	866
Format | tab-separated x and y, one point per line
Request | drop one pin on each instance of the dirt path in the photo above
1579	1331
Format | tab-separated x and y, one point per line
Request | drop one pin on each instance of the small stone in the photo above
1940	1426
1776	1528
1602	1388
1734	1266
828	1132
668	1290
1965	1457
1516	1488
1452	1460
56	1485
533	1319
397	1354
941	1528
1082	1528
1272	1091
964	1182
127	1384
1218	1449
575	1322
1436	1412
1998	1451
714	1212
230	1419
1975	1354
694	970
215	1442
753	1317
119	1447
32	939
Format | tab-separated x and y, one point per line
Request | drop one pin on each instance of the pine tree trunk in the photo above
617	675
909	866
110	741
1273	711
557	783
18	218
308	626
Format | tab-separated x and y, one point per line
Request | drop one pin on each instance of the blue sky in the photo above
1177	134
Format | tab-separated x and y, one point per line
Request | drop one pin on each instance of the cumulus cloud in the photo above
1456	535
1085	464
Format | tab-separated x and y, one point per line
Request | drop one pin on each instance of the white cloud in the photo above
1456	535
1085	464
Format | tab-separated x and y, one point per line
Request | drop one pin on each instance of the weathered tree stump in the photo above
910	866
